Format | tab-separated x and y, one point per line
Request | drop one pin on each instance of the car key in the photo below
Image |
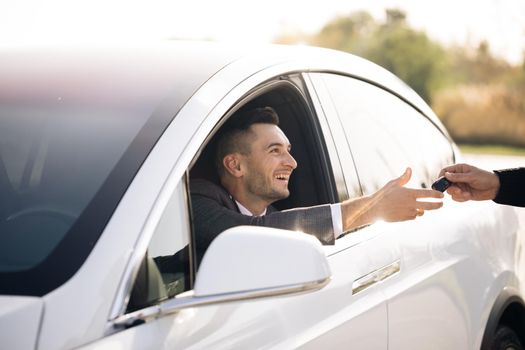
441	184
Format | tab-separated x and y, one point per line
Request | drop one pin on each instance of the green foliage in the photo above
478	67
409	54
353	33
479	98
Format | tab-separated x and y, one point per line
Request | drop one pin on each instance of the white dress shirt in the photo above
337	217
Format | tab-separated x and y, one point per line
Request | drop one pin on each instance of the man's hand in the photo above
393	202
470	183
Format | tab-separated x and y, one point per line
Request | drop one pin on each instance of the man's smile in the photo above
283	176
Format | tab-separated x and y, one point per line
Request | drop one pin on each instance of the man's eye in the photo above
274	150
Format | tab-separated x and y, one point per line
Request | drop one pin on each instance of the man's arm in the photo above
471	183
512	187
211	217
213	212
391	203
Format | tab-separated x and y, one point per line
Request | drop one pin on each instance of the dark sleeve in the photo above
512	187
210	218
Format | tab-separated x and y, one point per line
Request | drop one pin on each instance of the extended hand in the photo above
393	202
470	183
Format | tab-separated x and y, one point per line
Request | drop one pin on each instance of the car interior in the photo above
34	202
297	121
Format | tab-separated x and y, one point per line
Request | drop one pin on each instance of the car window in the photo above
311	182
63	171
165	269
50	170
386	134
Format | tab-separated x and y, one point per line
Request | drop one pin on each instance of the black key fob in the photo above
441	184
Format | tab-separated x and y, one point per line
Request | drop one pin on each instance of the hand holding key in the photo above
470	183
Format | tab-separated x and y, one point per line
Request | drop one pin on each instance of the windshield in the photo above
76	124
62	172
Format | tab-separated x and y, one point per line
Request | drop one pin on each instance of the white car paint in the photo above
20	319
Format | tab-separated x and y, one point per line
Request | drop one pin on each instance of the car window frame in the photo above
343	148
315	126
127	317
411	116
324	142
295	81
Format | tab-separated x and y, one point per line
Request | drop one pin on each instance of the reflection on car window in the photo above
51	166
165	270
386	134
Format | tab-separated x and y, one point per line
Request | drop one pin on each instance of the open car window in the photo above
300	126
312	182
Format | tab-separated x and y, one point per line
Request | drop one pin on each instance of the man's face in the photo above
268	166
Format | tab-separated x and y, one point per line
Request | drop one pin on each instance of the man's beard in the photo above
264	189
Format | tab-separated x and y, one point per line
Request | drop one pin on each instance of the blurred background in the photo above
465	58
476	86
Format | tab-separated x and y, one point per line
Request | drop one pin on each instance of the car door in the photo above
348	312
434	301
345	313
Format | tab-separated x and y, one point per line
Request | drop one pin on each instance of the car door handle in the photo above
375	276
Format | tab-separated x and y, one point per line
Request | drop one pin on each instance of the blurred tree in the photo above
292	38
477	67
521	74
478	97
409	54
395	17
405	52
353	33
483	114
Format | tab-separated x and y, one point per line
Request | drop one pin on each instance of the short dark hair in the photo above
231	137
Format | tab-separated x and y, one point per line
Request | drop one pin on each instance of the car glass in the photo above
54	164
76	124
165	269
63	170
386	134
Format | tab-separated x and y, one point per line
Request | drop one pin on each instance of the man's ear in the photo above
232	164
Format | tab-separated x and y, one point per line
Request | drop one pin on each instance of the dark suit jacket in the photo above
512	189
215	211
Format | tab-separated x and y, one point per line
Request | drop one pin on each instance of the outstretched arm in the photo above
393	202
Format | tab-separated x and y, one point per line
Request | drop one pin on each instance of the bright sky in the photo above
501	22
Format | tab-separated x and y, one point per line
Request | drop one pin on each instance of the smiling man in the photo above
254	165
258	173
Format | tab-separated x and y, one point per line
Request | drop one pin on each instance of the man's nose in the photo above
290	161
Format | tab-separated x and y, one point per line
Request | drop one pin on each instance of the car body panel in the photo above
278	323
20	321
451	289
438	259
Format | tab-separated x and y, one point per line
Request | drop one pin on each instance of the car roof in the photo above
128	75
107	75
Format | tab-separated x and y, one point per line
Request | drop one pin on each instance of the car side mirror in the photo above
244	263
251	258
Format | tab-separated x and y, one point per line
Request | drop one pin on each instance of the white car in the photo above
98	147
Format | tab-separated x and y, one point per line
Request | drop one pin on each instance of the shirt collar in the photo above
245	211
